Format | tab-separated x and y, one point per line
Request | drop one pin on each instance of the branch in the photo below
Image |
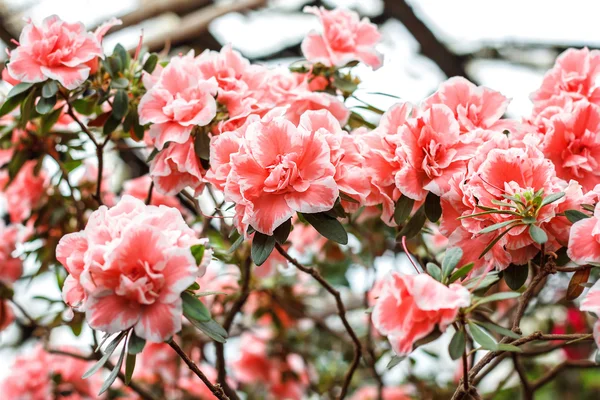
217	390
527	390
341	312
579	364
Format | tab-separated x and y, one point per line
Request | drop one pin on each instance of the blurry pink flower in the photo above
180	100
572	143
584	241
176	168
139	188
473	106
99	33
188	382
25	192
129	267
409	307
158	363
55	50
281	169
11	268
433	150
388	393
345	38
591	303
575	74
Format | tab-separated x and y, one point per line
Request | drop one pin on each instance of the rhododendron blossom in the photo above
410	307
584	242
129	267
25	192
591	303
55	50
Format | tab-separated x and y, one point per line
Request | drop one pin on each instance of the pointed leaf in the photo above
552	198
433	208
457	345
113	374
403	208
327	226
499	329
18	89
129	367
193	308
515	275
576	287
461	272
495	227
575	215
262	246
481	337
197	251
497	297
395	360
136	344
211	329
283	231
107	353
451	260
120	104
414	225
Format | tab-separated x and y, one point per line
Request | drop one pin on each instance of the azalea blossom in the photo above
129	267
25	192
345	38
584	241
55	50
410	307
591	303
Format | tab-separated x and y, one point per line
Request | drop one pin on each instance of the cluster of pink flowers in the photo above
129	267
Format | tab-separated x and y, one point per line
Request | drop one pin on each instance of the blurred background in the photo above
505	45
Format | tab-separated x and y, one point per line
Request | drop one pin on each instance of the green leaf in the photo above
85	106
508	347
515	275
403	208
150	63
496	240
487	280
123	55
434	271
120	83
575	215
15	164
113	374
457	345
328	226
395	360
11	103
238	242
499	329
28	106
120	104
497	297
433	208
345	84
495	227
537	234
18	89
136	344
283	231
414	225
48	120
485	340
45	105
450	261
129	367
193	287
348	198
49	89
212	329
110	125
262	246
462	271
107	353
552	198
193	308
198	253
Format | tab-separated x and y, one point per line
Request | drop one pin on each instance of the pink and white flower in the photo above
591	303
584	240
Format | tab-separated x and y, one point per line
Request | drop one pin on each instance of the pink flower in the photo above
572	143
388	393
129	267
55	50
139	188
41	368
281	169
11	268
591	303
434	150
25	192
158	363
176	168
345	38
409	307
473	106
574	74
180	100
584	241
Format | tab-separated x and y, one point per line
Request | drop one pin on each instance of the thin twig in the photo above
559	368
150	190
527	391
341	312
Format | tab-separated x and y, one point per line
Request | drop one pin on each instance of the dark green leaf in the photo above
198	253
129	367
497	297
110	125
495	227
120	83
327	226
508	347
28	107
85	106
515	275
123	55
120	104
193	308
403	208
575	215
499	329
12	103
15	164
348	198
433	208
414	225
495	240
18	89
283	231
434	271
113	374
150	63
107	353
485	340
238	242
212	329
345	84
136	344
49	120
537	234
451	260
45	105
49	89
461	272
193	287
262	246
552	198
457	345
